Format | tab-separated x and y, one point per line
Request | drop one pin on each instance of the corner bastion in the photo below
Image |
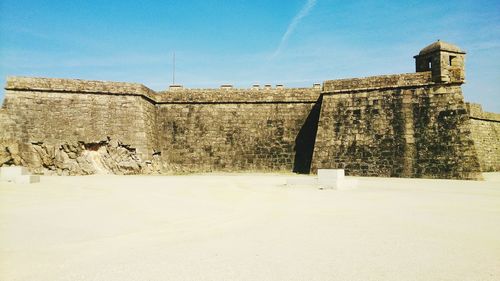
404	125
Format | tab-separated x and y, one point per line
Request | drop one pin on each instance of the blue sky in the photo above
294	42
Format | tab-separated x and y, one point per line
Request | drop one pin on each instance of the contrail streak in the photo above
291	27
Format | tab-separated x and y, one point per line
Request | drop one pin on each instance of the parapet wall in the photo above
76	86
286	95
476	112
378	82
229	95
485	128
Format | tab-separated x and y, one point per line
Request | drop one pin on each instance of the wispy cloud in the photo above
293	24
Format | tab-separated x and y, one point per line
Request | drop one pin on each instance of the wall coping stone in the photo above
378	82
230	95
179	95
77	86
476	112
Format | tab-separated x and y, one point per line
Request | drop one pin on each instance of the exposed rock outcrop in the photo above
80	158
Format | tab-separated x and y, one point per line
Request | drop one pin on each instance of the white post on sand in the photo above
334	179
326	179
17	174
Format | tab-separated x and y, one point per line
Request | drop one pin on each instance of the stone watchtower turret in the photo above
446	61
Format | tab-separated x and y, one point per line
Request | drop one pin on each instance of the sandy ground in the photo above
248	227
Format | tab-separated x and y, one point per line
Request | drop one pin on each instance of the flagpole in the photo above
173	70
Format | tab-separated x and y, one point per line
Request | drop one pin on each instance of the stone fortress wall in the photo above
178	131
54	121
401	127
485	128
406	125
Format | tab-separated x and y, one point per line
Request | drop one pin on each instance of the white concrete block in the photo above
331	173
328	178
10	173
27	179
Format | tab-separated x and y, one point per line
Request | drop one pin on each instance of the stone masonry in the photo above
405	125
485	129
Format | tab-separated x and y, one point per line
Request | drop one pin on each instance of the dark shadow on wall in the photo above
306	138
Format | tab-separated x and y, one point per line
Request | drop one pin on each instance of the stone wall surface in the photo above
410	132
288	95
382	81
77	86
476	111
82	127
233	129
394	125
230	137
71	123
9	139
485	128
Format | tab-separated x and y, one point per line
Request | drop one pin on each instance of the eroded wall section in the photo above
77	127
